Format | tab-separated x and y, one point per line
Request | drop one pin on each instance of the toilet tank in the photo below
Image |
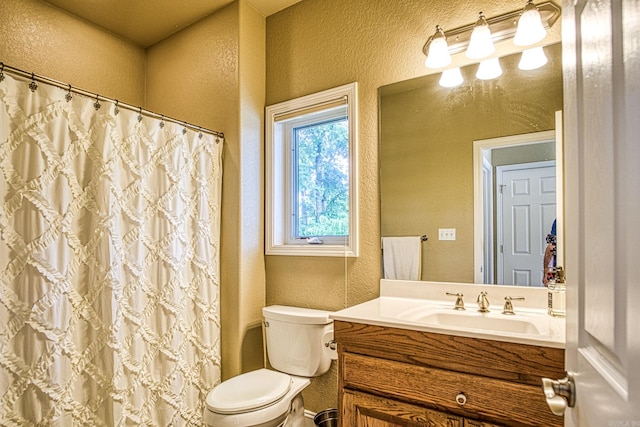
296	339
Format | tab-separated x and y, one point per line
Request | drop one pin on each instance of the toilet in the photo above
299	346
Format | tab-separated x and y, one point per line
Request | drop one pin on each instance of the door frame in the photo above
480	147
488	270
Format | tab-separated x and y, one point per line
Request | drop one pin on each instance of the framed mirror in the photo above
426	158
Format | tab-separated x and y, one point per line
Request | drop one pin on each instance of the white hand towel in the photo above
402	257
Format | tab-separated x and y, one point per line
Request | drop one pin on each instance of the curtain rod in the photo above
97	97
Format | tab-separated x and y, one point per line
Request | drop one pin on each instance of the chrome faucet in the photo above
483	302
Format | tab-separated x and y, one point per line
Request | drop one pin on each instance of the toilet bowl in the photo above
259	398
298	348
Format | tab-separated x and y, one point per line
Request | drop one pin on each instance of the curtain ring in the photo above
116	110
139	114
1	71
33	86
96	105
161	122
200	135
68	96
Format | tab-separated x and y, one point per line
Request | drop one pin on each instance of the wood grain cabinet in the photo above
396	377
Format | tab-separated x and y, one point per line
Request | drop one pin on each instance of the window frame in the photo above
278	155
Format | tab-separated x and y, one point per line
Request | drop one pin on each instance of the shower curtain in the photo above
109	262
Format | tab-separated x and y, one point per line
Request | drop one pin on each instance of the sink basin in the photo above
474	320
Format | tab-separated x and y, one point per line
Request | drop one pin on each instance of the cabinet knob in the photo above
461	399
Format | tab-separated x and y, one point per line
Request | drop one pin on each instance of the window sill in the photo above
312	250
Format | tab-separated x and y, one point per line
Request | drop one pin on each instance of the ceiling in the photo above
149	21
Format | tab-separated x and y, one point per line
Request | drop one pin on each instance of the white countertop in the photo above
402	301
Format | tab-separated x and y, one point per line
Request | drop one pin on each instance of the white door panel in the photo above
601	42
528	201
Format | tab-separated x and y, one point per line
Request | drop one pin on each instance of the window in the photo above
311	193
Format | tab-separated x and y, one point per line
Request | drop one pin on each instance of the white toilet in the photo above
299	345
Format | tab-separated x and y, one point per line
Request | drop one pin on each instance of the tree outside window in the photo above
321	179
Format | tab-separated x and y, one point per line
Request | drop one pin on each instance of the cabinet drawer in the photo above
519	363
490	399
362	409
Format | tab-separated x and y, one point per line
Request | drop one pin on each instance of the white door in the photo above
601	42
527	209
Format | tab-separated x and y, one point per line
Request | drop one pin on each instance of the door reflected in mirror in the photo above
515	206
426	161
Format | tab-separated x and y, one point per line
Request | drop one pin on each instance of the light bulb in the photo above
530	29
451	77
438	56
480	44
532	59
489	69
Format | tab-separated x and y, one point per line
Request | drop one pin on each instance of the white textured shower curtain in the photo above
109	263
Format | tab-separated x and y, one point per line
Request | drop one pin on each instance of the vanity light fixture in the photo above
530	27
451	77
480	44
503	27
438	56
489	69
532	58
527	25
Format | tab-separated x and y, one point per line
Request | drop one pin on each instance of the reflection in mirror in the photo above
426	153
515	198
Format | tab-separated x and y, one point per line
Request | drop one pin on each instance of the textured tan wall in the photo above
426	140
252	282
193	75
212	74
39	38
319	44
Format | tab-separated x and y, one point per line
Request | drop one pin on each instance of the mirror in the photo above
427	136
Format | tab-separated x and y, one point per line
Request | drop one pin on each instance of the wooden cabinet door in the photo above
365	410
473	423
374	422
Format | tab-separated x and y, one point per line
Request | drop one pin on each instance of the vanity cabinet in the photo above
398	377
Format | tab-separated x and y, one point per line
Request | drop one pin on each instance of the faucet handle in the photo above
483	302
508	306
459	303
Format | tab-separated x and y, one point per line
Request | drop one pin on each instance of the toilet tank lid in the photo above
305	316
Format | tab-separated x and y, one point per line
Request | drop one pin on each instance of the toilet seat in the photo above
271	415
248	392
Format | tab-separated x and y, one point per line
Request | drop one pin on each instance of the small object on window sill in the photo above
314	241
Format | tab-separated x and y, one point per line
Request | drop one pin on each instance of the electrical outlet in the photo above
446	234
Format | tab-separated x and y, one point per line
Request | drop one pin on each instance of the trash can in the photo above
326	418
